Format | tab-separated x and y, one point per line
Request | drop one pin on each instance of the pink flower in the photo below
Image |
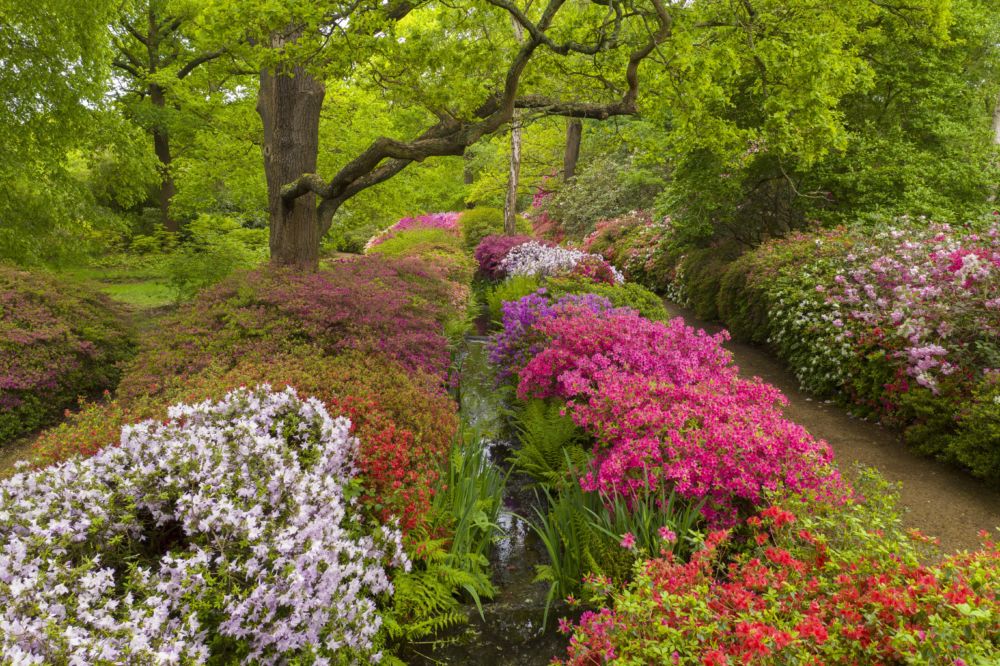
628	541
668	535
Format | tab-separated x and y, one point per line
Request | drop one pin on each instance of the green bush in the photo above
58	341
977	443
701	272
214	248
628	295
511	289
478	223
742	305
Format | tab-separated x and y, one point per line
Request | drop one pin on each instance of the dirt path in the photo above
939	499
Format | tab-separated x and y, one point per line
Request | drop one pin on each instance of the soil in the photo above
939	499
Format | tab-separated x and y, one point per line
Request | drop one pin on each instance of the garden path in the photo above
941	500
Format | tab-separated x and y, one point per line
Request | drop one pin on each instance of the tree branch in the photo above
198	61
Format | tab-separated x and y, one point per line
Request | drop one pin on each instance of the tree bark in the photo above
574	135
513	179
161	145
289	104
996	145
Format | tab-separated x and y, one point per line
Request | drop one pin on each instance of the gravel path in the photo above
939	499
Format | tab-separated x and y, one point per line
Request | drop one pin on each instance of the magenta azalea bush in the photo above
228	533
663	404
445	221
57	342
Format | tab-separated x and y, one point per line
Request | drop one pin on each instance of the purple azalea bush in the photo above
230	531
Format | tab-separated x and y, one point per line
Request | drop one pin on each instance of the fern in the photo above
547	438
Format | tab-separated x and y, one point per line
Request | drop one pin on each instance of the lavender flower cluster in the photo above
534	258
231	524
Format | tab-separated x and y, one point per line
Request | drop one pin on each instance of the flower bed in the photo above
56	343
813	587
900	322
662	403
181	541
405	429
395	307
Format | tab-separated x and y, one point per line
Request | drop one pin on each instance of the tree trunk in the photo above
161	145
289	104
996	144
468	177
574	134
513	180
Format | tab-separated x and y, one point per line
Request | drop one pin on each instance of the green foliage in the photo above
511	289
627	295
583	534
977	443
424	603
699	276
547	438
604	187
478	223
215	247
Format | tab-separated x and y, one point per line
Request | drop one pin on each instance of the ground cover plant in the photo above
446	222
57	342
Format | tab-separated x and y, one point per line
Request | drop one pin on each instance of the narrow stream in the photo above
510	633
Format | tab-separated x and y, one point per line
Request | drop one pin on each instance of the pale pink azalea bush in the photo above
446	221
232	526
539	259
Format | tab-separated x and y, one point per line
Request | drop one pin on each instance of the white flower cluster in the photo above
537	259
228	529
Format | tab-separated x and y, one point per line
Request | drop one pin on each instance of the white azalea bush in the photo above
230	533
540	260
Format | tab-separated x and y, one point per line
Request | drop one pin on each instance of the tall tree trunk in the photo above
996	144
289	104
468	177
574	134
161	145
513	180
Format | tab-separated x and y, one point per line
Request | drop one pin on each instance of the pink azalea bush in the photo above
664	405
228	533
491	252
445	221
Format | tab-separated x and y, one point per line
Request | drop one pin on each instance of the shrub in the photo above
665	407
447	222
816	586
437	248
405	429
625	295
511	289
226	533
541	260
491	252
977	442
373	304
478	223
57	342
214	247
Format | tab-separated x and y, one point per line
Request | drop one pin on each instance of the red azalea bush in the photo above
57	342
374	304
820	587
491	252
405	428
665	406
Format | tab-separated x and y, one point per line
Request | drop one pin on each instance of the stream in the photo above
510	631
